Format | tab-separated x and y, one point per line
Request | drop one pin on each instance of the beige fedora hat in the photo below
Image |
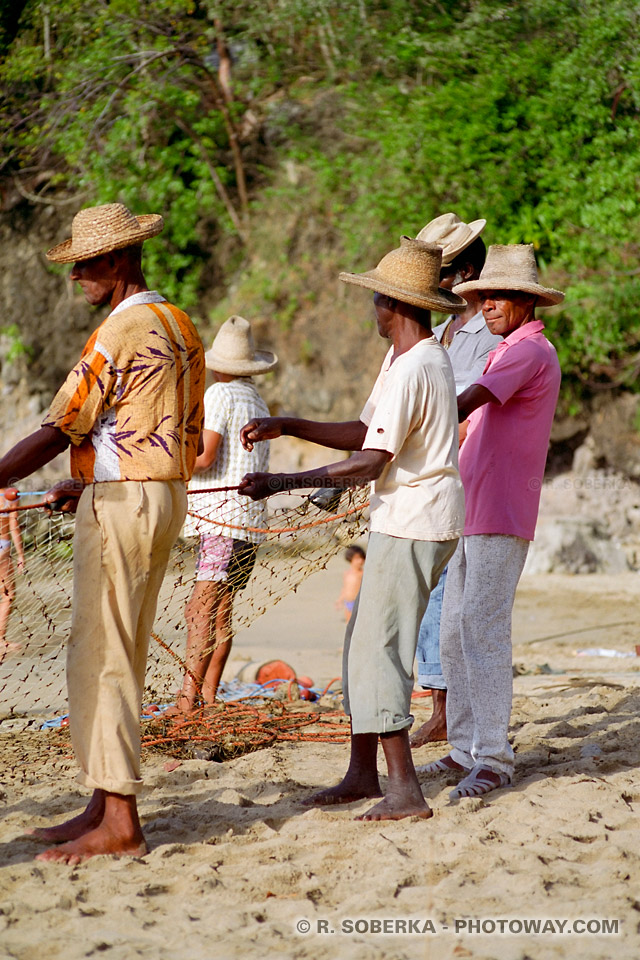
512	267
452	234
233	351
98	230
410	273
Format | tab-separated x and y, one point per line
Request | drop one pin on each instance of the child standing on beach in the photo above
9	530
351	580
229	525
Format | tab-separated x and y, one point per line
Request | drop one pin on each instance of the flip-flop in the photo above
477	784
439	766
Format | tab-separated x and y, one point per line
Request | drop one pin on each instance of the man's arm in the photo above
473	397
30	454
338	436
360	468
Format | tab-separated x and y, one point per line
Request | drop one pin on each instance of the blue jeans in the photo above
428	650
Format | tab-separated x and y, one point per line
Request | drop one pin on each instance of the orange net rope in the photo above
297	536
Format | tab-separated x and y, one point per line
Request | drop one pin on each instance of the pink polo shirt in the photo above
503	457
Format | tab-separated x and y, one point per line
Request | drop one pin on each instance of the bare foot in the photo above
88	820
435	729
345	792
183	707
94	844
397	809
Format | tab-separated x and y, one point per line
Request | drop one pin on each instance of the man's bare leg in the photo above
361	779
435	729
199	613
90	818
119	832
404	796
222	648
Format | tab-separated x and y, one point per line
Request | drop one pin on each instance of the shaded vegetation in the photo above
381	113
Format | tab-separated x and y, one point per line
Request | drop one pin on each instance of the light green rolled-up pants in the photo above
381	637
123	537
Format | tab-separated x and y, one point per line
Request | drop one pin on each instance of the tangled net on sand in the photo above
298	538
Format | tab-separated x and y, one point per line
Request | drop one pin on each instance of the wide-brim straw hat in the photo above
98	230
410	273
511	267
233	351
452	234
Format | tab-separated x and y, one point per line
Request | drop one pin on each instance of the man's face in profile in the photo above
96	277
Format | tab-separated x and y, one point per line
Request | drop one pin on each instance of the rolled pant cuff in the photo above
432	681
496	766
464	759
380	725
123	787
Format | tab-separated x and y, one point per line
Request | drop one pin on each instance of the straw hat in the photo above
233	351
452	234
98	230
410	273
512	267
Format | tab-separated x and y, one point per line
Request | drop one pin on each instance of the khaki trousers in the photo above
381	637
123	537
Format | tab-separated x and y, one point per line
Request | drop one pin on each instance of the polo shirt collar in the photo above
528	330
475	325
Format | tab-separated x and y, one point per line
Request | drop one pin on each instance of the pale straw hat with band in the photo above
98	230
410	273
452	234
233	351
512	267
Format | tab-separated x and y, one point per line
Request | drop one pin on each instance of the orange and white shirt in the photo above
133	405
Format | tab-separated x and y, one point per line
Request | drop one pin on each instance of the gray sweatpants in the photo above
475	647
381	637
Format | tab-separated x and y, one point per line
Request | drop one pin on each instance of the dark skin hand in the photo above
362	467
337	436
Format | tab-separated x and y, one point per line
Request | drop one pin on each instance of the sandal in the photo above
441	766
477	783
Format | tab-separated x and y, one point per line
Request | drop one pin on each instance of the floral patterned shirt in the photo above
133	405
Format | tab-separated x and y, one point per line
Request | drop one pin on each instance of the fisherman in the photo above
510	410
407	443
132	409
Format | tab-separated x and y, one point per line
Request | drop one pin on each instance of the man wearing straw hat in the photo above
132	410
229	526
407	443
502	460
468	342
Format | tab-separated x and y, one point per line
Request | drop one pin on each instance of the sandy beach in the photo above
239	868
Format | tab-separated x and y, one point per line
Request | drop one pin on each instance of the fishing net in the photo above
299	535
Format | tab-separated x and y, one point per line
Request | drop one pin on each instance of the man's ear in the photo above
468	272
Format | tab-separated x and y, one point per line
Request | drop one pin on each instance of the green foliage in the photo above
393	111
15	347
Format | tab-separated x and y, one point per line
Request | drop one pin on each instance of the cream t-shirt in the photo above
412	414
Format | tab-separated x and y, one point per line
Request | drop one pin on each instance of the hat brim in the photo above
442	302
547	296
476	227
149	224
263	361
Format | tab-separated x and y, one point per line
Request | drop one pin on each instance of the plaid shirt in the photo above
228	406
